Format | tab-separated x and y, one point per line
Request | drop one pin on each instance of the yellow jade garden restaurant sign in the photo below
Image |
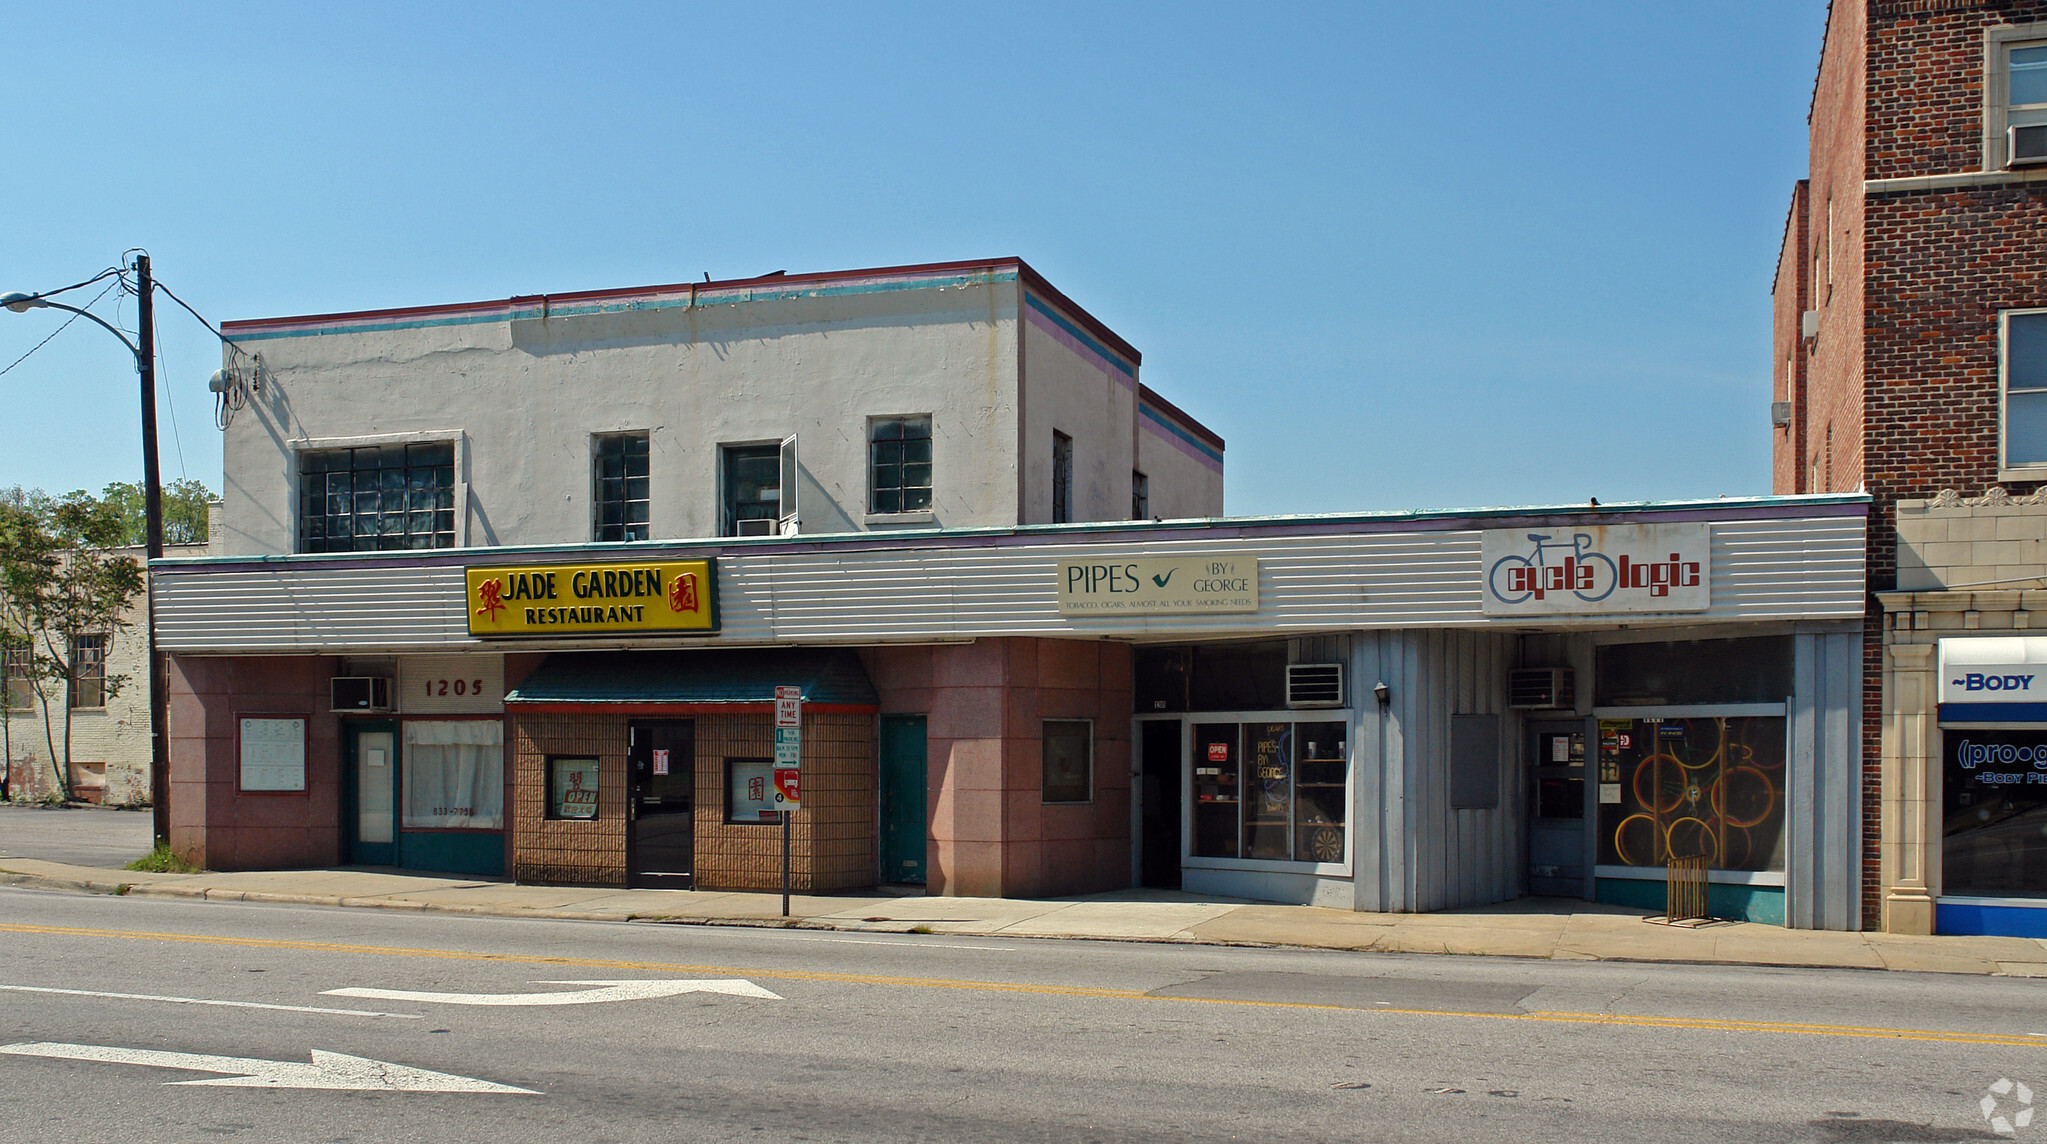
593	599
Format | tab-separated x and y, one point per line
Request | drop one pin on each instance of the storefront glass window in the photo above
1682	787
1691	672
1994	837
1269	790
454	775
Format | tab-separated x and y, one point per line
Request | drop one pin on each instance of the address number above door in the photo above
451	684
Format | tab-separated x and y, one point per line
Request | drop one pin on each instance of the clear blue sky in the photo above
1397	258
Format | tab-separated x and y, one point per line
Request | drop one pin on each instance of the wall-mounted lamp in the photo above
1383	694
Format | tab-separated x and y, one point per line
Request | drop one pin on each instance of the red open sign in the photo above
1218	752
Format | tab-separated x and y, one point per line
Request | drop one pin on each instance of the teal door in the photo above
371	806
902	799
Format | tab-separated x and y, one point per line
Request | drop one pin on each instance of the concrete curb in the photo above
1959	958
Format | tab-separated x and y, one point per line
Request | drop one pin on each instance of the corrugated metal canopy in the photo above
737	676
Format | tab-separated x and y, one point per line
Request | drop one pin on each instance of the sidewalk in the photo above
1535	927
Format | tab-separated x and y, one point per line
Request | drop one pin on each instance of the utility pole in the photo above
152	514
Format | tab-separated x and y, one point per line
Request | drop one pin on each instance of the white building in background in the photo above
958	395
109	723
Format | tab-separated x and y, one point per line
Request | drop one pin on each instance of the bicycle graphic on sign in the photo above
1589	575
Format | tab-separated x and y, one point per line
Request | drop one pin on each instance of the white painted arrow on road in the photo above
603	991
334	1071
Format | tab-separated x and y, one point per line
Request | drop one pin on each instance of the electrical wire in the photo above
62	328
235	397
79	285
163	381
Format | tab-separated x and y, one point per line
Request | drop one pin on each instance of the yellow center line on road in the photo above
1705	1024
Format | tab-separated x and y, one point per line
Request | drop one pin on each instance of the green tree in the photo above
184	510
59	580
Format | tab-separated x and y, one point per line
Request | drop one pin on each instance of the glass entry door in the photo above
1557	839
373	793
661	759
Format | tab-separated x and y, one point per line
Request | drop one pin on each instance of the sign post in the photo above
788	768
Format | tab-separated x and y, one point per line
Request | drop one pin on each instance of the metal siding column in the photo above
1368	782
1802	861
1841	824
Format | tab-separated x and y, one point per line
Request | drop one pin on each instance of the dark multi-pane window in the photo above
753	489
377	497
17	667
619	463
1140	496
899	464
89	669
1062	478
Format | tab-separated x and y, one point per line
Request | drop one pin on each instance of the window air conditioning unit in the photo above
1809	324
765	527
2028	144
1314	685
1541	688
361	693
1780	414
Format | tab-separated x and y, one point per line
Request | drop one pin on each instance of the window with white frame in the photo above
2022	372
2015	96
377	498
899	464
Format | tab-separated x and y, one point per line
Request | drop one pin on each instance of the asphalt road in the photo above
84	836
913	1038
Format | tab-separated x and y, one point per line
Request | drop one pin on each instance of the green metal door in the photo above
902	799
370	808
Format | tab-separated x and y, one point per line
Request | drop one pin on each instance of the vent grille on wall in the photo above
1540	688
361	693
1314	685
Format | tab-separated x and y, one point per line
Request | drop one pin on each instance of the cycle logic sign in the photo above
1596	569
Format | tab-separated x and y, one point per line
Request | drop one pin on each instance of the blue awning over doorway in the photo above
735	679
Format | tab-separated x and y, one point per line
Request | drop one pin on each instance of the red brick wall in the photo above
211	824
1904	370
1833	260
1788	301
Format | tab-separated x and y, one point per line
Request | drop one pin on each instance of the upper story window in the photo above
753	492
1140	496
1062	478
618	466
2015	97
88	669
899	464
17	673
2026	104
377	497
2023	373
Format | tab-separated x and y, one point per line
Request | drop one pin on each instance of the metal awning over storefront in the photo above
696	682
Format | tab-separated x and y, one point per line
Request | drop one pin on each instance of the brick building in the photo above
1910	338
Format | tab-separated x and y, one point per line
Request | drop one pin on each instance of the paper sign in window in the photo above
273	755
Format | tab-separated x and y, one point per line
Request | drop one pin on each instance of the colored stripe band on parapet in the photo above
1078	335
1194	446
721	296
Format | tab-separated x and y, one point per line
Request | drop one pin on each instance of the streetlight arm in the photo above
39	303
